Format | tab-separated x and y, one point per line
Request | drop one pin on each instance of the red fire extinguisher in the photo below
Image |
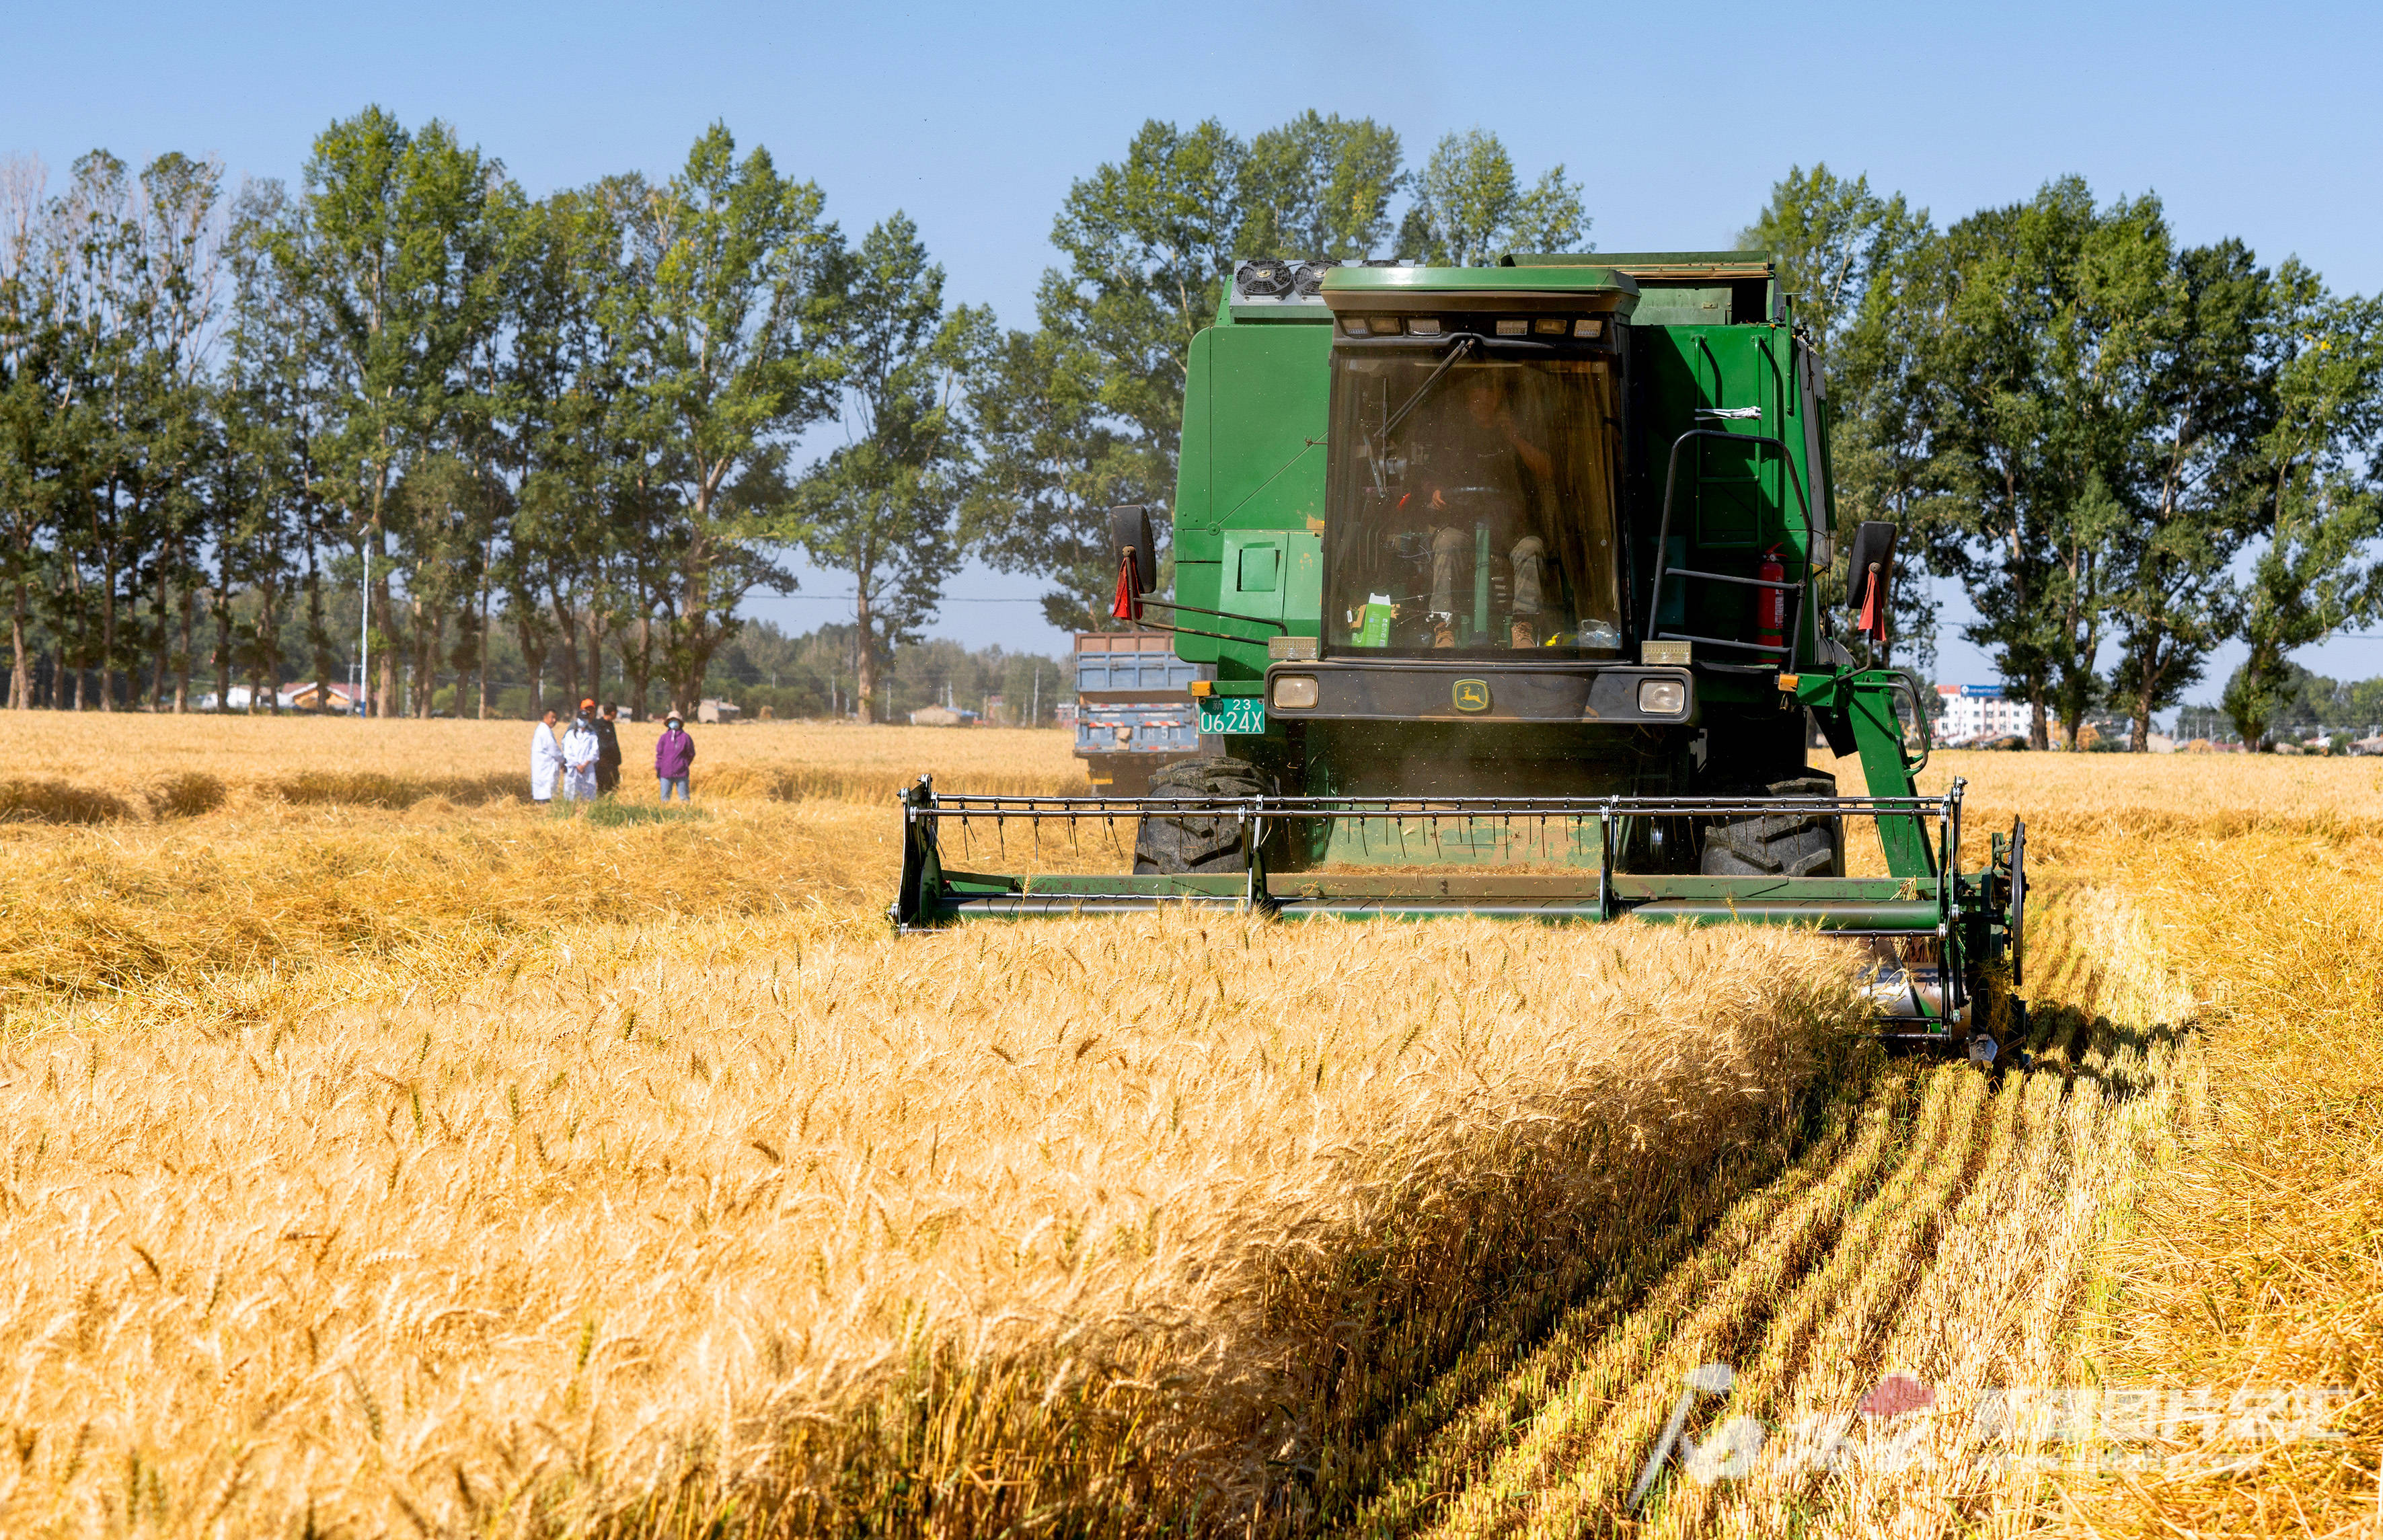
1771	604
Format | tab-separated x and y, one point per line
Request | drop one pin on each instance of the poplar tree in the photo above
720	327
394	246
882	508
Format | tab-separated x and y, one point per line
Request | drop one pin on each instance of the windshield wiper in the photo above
1461	343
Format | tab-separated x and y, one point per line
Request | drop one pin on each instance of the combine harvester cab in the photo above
1505	581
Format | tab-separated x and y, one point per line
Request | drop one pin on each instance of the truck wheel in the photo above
1785	844
1179	845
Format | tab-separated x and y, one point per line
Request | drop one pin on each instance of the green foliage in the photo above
722	324
2292	703
812	674
2015	313
2202	396
883	507
1470	207
1852	260
1320	187
2315	470
1835	239
1051	461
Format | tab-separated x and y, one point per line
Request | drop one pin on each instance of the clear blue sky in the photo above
2252	121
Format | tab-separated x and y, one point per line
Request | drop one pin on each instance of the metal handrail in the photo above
1663	568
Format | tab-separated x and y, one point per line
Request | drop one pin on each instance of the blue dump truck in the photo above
1134	709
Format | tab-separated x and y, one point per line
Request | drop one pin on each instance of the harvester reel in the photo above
1780	844
1188	844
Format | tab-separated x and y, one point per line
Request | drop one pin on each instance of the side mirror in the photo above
1869	577
1132	538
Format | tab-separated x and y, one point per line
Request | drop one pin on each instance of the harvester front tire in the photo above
1783	844
1182	845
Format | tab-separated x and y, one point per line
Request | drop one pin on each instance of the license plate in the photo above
1241	715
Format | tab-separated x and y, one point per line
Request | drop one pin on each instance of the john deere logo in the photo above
1473	695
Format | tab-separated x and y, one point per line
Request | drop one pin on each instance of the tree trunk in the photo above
386	702
566	627
223	627
163	663
865	661
108	629
182	653
640	667
2038	735
425	677
487	564
268	639
20	679
534	660
81	653
596	636
318	639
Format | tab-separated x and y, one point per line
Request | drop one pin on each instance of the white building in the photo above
1975	712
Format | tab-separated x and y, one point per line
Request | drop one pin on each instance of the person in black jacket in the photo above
608	752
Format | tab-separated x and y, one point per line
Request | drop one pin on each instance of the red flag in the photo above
1870	623
1129	595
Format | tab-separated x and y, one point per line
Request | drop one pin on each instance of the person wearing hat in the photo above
580	750
674	757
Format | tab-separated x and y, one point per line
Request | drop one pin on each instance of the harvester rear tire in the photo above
1785	844
1180	846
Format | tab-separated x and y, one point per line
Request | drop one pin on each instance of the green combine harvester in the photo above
1506	576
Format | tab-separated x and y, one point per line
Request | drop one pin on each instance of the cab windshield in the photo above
1472	502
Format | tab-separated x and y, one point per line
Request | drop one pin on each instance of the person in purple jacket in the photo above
674	757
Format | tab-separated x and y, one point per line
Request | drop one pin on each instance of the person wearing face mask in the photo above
581	749
674	757
545	759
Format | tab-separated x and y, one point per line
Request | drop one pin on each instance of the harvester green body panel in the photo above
1506	577
1251	483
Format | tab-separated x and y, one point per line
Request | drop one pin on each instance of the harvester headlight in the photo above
1354	325
1512	328
1663	698
1294	692
1423	326
1549	325
1588	328
1385	326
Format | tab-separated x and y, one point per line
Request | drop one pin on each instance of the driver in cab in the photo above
1473	477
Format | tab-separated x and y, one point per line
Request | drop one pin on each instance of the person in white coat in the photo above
545	760
581	748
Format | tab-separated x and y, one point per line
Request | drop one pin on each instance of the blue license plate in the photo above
1241	715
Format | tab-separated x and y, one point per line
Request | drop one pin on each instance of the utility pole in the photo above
1034	712
363	638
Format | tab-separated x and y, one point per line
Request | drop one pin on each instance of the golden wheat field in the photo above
382	1156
